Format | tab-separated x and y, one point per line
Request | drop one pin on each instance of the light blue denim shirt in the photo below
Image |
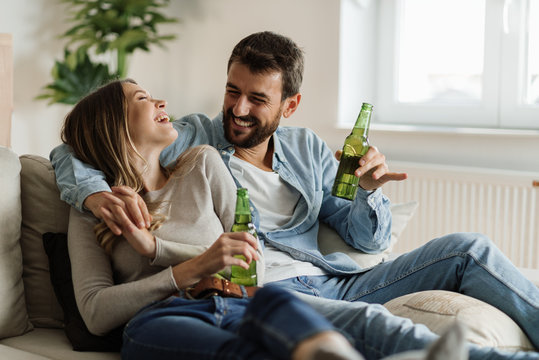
301	159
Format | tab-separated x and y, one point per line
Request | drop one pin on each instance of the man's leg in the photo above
464	262
376	333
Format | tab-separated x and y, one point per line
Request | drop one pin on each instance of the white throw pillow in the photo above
329	240
438	309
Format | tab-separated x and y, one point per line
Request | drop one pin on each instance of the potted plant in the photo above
103	30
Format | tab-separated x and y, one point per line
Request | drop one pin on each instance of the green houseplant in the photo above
108	30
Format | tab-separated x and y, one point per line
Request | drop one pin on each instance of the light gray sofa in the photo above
32	321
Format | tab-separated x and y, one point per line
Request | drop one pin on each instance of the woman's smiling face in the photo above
148	122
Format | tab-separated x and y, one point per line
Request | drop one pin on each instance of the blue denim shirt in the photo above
301	159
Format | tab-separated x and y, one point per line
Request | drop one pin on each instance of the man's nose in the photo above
241	107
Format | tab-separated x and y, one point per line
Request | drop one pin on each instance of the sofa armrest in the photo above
13	314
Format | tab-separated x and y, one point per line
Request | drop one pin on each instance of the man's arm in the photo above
364	223
84	187
75	180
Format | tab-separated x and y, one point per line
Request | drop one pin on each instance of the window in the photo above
458	63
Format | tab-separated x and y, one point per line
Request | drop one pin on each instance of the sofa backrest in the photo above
42	212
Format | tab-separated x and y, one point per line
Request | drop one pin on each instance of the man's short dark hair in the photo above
267	51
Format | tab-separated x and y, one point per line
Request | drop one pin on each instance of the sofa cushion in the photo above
437	309
13	315
42	211
53	344
7	352
329	240
75	329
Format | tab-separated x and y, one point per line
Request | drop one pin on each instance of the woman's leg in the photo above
177	328
277	320
269	326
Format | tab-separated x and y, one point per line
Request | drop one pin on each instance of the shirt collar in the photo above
277	147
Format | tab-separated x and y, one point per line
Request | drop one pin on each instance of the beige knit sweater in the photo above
110	290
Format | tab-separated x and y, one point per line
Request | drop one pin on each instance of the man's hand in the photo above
119	208
373	171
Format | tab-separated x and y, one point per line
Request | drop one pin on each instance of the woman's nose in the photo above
161	104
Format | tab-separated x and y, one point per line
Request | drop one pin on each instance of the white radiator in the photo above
501	204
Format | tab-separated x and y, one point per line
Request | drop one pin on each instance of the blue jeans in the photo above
467	263
267	326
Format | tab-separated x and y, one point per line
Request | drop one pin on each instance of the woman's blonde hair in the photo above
97	130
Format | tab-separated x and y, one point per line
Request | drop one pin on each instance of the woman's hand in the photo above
117	206
220	255
141	240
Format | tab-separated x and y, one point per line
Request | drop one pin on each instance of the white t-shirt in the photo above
275	201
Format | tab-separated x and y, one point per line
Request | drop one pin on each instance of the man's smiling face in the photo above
252	106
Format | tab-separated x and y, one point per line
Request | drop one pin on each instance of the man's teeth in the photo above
243	122
162	118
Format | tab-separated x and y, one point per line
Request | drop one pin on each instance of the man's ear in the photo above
291	104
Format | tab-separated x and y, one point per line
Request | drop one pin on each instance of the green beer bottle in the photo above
242	222
355	146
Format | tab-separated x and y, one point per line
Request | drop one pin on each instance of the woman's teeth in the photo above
162	118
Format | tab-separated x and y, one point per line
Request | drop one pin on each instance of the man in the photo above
289	173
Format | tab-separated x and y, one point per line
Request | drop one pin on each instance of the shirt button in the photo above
252	208
231	148
219	145
223	152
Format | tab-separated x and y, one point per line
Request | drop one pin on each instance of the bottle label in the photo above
346	182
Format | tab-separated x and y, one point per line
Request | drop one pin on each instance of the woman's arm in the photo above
105	305
190	270
102	304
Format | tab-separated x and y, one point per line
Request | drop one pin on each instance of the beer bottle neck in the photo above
243	211
361	127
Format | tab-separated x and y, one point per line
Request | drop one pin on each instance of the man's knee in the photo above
465	242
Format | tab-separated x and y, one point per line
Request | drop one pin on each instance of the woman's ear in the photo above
291	104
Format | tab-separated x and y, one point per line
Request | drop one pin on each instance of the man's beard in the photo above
259	136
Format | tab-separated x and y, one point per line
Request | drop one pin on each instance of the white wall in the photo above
190	74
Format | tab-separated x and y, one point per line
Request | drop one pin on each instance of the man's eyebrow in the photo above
228	84
257	94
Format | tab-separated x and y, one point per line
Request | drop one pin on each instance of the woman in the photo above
121	130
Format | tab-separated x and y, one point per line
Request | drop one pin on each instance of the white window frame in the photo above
374	79
514	113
